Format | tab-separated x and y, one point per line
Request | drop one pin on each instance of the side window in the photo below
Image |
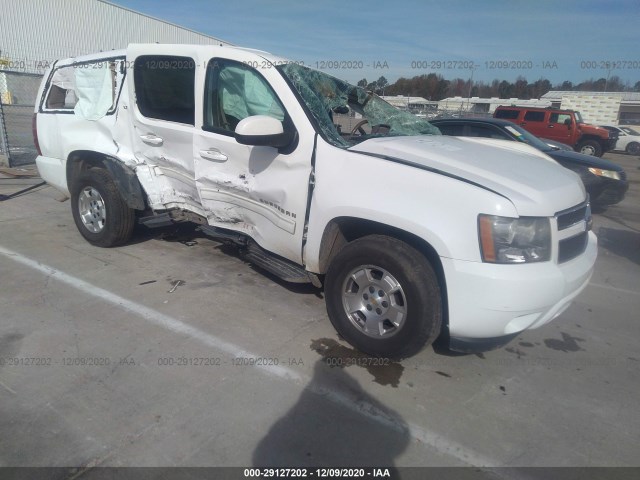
485	132
507	114
562	118
235	91
165	87
454	129
533	116
88	89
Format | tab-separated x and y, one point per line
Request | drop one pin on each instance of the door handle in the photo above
549	126
151	139
213	154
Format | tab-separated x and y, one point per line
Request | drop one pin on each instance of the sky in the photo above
558	40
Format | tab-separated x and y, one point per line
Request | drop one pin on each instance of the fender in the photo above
127	182
123	176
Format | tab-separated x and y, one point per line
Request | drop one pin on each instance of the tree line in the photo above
435	87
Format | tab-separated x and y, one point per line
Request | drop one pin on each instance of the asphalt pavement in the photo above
172	351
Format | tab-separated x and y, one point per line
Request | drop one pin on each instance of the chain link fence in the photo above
18	92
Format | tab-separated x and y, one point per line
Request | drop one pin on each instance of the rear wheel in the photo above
633	148
383	297
99	211
590	147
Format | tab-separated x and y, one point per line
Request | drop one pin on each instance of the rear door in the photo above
257	190
163	86
534	122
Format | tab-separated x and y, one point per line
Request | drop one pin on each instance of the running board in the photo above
156	221
251	252
224	235
280	267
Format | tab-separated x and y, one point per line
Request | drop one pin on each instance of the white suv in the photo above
413	234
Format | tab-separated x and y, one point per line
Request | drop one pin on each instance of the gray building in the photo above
614	108
34	33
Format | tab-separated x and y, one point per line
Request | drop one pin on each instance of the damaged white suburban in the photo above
413	235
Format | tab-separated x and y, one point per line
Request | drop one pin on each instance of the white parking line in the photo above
432	439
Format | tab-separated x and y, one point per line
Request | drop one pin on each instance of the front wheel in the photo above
590	147
384	297
99	211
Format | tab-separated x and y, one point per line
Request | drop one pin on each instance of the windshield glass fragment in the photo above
346	114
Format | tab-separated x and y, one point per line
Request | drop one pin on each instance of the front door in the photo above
559	128
256	190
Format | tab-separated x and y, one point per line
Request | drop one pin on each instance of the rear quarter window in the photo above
87	89
61	94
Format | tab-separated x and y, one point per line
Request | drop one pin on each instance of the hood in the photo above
533	182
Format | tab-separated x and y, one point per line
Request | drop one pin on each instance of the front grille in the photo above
570	247
623	175
572	216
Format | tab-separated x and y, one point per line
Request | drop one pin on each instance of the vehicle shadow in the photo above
19	446
179	232
621	242
334	423
189	235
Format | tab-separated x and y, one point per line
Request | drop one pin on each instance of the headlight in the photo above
605	173
514	240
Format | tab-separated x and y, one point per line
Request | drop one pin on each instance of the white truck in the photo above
412	235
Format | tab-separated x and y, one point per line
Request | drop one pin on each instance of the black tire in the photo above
590	147
633	148
419	292
116	224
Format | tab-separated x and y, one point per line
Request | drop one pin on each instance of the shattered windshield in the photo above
346	114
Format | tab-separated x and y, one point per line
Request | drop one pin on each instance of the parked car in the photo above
628	139
565	126
605	181
412	234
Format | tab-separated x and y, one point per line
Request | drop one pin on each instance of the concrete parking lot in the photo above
171	351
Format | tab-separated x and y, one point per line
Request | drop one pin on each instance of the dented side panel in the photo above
256	190
162	148
63	130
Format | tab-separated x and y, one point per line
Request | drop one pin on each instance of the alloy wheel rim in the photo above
374	301
92	208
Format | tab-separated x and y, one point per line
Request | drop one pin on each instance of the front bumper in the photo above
610	144
607	191
488	302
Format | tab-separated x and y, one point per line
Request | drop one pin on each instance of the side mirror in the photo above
567	122
262	130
